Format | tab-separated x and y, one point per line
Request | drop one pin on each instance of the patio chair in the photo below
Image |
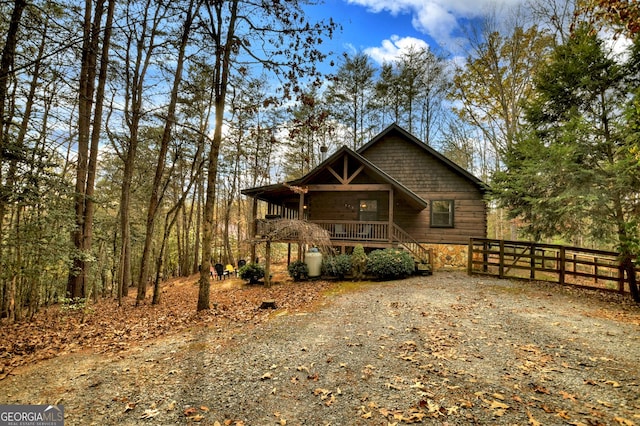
338	231
365	232
220	271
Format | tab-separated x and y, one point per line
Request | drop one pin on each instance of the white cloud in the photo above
394	48
438	18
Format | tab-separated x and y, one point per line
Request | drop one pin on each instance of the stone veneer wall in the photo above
449	256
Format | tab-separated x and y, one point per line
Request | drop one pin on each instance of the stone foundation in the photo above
449	256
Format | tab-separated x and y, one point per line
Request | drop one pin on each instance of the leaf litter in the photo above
446	349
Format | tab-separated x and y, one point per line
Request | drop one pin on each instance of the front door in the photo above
368	210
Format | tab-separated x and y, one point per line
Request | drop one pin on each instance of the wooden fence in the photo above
547	262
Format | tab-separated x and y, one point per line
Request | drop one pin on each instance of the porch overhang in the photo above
289	192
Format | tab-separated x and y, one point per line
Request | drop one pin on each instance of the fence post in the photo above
485	257
621	278
532	263
562	265
501	263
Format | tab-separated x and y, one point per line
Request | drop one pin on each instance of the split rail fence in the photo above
575	266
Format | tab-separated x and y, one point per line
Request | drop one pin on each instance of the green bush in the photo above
336	266
390	264
251	272
358	262
298	270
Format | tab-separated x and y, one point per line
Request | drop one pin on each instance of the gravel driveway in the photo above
448	349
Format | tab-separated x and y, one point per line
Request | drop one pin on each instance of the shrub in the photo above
251	272
390	263
336	266
298	270
358	262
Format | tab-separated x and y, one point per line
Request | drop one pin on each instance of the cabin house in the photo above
395	191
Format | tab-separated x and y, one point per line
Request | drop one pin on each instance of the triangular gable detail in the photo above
345	176
409	137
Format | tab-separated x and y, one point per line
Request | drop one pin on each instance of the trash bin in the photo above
313	259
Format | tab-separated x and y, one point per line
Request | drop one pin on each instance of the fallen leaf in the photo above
190	411
196	418
149	414
532	421
566	395
623	421
540	389
266	376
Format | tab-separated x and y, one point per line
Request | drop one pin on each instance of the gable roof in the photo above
372	168
282	189
411	138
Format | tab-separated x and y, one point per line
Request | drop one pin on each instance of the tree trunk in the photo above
76	284
630	270
267	265
157	191
221	73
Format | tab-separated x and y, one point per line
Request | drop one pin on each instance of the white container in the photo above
313	259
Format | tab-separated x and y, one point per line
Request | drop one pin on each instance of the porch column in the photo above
391	206
301	207
254	229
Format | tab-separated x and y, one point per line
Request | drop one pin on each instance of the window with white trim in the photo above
442	213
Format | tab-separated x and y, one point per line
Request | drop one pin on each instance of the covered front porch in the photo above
341	232
354	201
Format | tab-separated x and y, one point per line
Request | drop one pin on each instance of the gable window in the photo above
442	213
368	210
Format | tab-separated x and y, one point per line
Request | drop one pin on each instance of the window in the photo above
368	210
442	213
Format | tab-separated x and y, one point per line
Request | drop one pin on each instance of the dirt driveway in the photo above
445	350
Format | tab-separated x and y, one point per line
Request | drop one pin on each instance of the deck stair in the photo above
420	253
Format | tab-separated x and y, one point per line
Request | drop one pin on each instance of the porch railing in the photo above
419	251
355	230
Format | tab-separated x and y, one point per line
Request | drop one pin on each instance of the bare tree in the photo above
273	34
94	32
159	180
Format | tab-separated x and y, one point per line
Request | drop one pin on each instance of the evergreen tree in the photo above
574	169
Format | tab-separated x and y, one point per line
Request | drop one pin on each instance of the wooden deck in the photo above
354	231
374	234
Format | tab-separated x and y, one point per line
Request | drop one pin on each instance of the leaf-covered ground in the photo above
446	349
106	327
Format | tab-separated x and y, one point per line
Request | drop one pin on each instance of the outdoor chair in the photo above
220	271
365	232
338	231
230	270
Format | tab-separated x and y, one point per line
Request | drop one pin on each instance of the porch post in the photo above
301	207
391	206
253	229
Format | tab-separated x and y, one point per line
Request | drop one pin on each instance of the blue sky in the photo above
383	28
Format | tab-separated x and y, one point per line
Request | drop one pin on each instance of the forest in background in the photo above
129	128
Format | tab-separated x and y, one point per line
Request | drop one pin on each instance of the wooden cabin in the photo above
393	191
